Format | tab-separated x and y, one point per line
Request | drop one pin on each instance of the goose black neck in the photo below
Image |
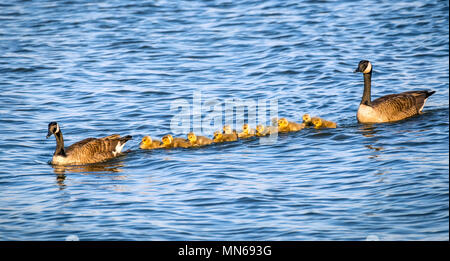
366	99
59	144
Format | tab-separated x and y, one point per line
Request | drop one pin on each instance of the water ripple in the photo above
117	66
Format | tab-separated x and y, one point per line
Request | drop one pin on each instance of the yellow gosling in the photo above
286	126
247	132
262	130
307	120
198	140
321	123
220	137
170	142
227	129
230	137
147	143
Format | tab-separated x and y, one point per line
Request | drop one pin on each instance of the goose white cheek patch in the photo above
368	68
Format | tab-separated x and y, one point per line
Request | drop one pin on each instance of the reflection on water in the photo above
374	148
370	131
116	67
367	130
60	181
97	168
376	152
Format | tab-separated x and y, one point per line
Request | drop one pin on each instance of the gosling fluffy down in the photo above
198	141
148	144
262	130
170	142
288	126
320	123
307	120
220	137
247	132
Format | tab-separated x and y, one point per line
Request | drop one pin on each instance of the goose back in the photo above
393	107
92	150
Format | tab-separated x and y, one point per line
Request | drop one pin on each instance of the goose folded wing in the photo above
395	101
79	144
396	105
104	147
421	97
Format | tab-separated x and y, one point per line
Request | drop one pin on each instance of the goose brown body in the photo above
393	107
90	150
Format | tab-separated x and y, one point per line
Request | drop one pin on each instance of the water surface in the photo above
116	67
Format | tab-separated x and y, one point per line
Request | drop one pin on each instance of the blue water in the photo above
117	66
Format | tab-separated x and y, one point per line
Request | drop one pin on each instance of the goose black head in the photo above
53	128
364	66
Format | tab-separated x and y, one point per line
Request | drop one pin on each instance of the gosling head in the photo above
53	128
364	66
260	129
218	136
306	118
317	122
246	128
283	123
167	140
192	137
227	129
146	142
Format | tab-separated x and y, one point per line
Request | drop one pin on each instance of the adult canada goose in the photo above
147	143
90	150
391	107
198	140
